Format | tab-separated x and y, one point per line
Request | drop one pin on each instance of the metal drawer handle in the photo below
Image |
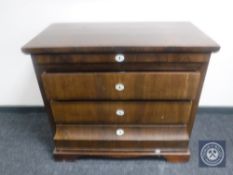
119	58
120	112
120	132
119	87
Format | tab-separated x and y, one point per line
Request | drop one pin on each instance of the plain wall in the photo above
23	19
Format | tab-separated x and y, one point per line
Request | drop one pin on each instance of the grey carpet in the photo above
26	148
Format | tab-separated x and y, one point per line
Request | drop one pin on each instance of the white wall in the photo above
20	20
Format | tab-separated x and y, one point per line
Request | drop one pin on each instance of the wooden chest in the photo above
121	89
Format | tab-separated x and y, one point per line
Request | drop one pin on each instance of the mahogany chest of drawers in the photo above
121	89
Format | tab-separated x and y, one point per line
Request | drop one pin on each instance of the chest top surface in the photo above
121	37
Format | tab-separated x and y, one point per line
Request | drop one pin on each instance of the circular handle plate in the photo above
119	87
120	132
119	58
120	112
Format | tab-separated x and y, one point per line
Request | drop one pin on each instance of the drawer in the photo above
121	58
121	86
121	112
115	137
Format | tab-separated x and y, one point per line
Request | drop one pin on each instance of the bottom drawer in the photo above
118	137
177	112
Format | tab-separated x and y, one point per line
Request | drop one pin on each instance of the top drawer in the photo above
121	85
119	58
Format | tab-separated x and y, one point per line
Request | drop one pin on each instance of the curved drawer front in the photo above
121	86
105	136
121	112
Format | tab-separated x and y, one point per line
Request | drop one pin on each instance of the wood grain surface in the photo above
133	112
88	58
137	85
121	37
162	74
104	136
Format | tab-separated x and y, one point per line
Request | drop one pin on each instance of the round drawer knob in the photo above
120	112
119	87
157	151
119	132
119	58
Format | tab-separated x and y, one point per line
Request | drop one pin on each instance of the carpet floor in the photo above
26	149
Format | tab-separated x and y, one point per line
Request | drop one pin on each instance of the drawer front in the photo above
121	86
121	112
120	58
121	136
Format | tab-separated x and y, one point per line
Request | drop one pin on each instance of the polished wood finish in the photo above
121	37
72	141
143	85
162	72
134	112
173	156
119	67
129	58
104	136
